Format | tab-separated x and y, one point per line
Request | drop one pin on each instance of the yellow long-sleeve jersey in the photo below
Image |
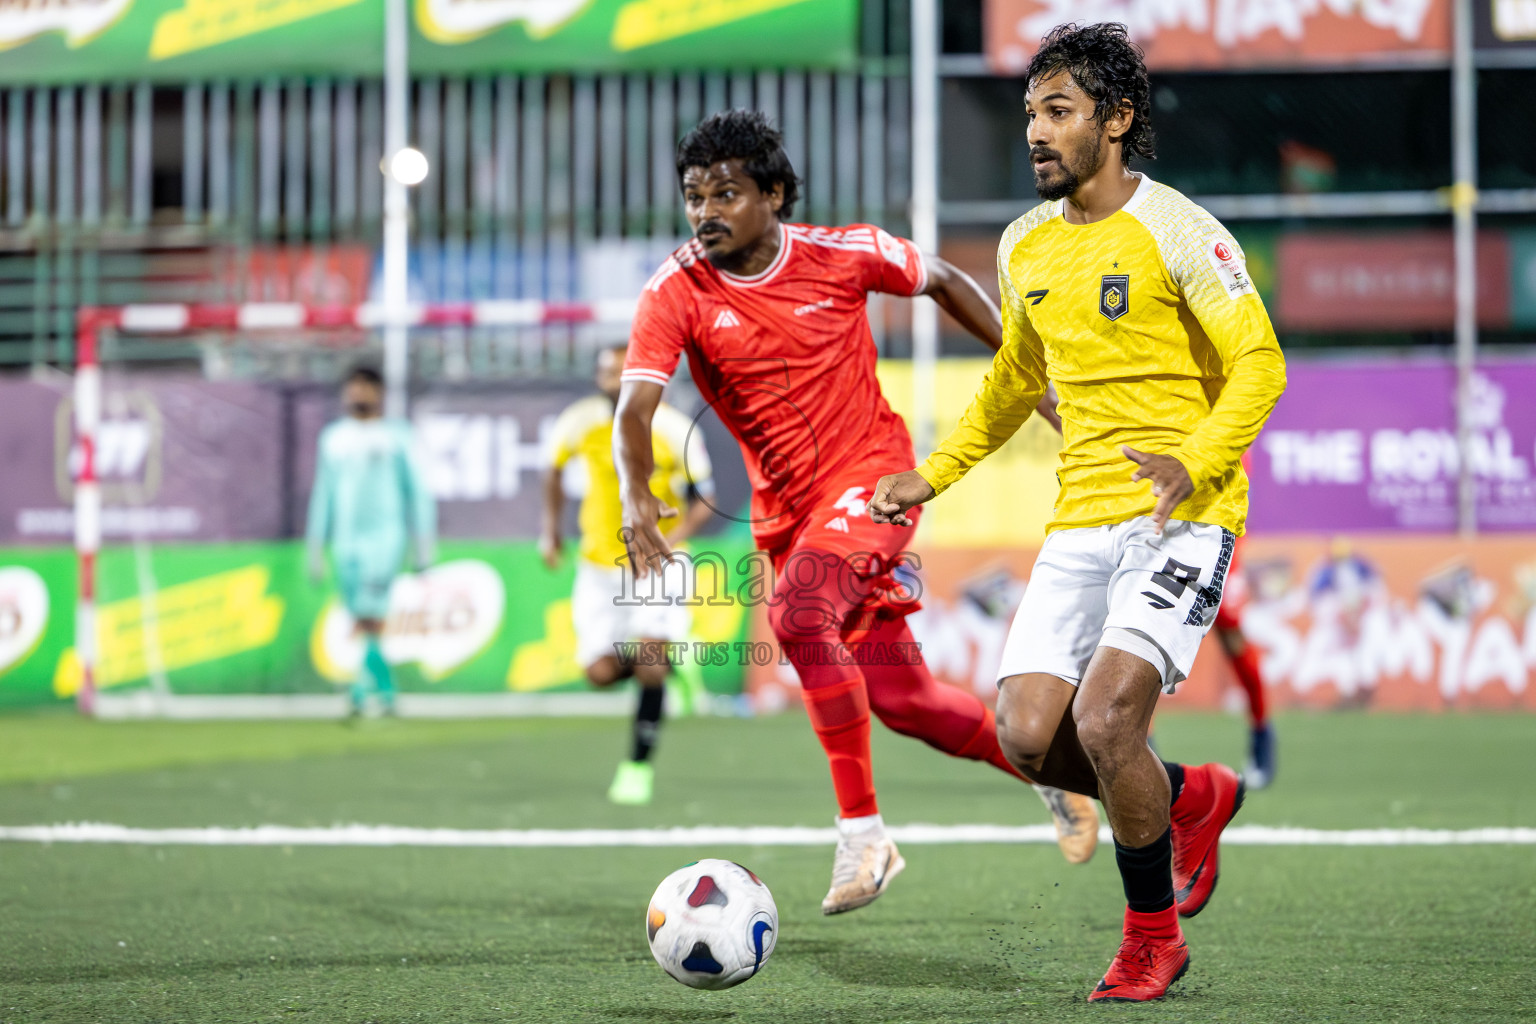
1155	337
585	431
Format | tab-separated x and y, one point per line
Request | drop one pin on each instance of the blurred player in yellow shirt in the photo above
1137	305
607	622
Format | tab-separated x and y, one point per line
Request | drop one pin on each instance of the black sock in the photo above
1147	874
647	721
1175	781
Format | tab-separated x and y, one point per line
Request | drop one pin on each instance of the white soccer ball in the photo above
712	924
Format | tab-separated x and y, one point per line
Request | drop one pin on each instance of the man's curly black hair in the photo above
1110	68
748	136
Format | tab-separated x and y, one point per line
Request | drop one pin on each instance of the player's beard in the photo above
1071	178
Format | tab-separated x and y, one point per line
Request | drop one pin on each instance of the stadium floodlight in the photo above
408	166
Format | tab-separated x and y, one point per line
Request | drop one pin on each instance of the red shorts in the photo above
843	527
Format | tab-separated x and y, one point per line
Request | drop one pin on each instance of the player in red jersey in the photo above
772	317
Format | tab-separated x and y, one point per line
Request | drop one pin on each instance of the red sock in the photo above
1246	667
906	697
815	593
839	713
1162	925
984	747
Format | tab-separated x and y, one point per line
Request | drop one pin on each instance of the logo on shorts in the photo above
1114	295
1175	577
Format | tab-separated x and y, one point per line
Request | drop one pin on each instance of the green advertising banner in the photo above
59	41
37	622
245	619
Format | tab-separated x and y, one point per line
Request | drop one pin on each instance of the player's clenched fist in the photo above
895	494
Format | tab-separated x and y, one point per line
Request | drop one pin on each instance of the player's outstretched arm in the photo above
958	294
897	493
634	461
1007	396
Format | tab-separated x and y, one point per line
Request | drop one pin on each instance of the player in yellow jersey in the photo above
1136	304
611	619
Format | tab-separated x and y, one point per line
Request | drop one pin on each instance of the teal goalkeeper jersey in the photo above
369	497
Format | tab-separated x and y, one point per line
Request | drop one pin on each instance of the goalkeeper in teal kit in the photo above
370	504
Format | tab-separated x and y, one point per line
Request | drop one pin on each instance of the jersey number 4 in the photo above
851	502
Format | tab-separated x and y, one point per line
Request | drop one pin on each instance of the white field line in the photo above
708	835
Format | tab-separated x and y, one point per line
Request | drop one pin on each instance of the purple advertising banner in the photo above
185	459
178	458
482	449
1372	446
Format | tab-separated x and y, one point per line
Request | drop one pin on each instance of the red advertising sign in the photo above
1185	34
335	275
1397	281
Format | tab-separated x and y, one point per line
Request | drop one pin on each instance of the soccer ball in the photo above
712	924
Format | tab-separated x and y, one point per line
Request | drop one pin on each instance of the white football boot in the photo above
865	862
1077	823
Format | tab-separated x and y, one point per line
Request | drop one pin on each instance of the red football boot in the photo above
1211	798
1152	956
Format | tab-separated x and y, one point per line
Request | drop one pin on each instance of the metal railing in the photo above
527	172
1319	205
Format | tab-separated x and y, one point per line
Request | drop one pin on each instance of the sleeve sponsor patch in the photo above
1230	268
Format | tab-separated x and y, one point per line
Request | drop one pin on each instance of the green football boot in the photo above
632	783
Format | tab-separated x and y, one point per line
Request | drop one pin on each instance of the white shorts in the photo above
1122	586
602	621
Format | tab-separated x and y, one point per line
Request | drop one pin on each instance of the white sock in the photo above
853	826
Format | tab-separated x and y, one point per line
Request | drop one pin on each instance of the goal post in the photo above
172	321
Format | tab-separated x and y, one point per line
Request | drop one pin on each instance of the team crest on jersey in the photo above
1114	295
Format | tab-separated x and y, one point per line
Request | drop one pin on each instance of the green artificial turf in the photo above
969	933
